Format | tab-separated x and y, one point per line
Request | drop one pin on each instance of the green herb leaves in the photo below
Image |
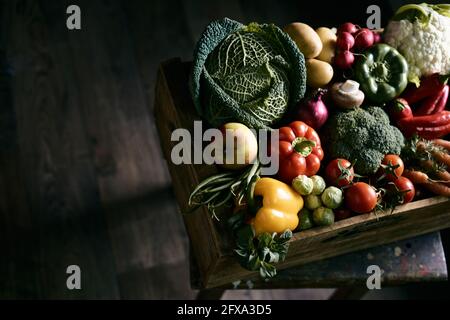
261	252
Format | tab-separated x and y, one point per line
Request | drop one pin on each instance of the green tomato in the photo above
303	185
318	185
332	197
312	202
323	216
305	219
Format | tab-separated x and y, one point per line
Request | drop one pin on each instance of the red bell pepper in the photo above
300	151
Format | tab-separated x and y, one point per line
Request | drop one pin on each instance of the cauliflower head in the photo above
423	40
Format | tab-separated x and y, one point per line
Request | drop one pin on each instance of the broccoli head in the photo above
364	136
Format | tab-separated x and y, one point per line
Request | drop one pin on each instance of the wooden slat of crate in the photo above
210	241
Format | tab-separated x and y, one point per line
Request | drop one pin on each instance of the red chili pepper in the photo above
401	110
432	120
428	87
434	103
423	125
434	132
440	106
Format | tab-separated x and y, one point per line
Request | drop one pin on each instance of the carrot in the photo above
416	177
442	143
443	175
441	157
432	167
438	188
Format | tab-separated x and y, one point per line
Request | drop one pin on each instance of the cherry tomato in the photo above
403	184
339	172
360	198
392	166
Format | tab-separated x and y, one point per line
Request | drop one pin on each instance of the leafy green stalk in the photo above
262	252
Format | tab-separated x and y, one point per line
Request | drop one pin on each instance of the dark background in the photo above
82	179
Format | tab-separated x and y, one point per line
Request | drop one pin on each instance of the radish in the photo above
348	27
345	41
344	60
364	39
376	38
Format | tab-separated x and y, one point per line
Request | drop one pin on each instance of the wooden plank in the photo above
162	281
201	12
419	259
185	176
17	244
58	173
144	227
175	110
159	29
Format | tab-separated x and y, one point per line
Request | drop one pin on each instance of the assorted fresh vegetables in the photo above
385	142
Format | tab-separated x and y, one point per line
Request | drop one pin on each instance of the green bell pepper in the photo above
382	73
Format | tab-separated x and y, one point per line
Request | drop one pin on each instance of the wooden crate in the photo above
211	243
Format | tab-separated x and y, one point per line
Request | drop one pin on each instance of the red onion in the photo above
313	111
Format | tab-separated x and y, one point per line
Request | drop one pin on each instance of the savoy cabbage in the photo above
250	74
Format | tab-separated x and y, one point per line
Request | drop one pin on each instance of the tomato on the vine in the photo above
392	167
360	197
339	172
406	188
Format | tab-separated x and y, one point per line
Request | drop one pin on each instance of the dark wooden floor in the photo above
82	179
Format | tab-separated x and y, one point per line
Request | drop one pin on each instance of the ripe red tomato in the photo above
360	197
392	166
339	172
404	184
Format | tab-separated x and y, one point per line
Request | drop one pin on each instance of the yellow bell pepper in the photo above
280	206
